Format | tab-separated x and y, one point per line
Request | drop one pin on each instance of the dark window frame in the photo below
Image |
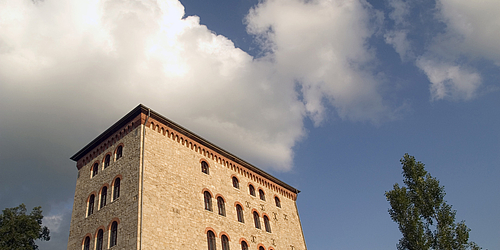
91	204
100	240
86	243
104	195
205	168
262	195
211	240
119	152
107	160
221	206
225	242
244	245
256	220
239	213
95	169
207	197
267	224
116	189
236	182
113	240
277	201
251	190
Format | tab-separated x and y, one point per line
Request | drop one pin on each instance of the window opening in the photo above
116	189
95	169
208	201
251	189
99	240
91	205
86	243
244	246
239	212
204	167
277	200
267	224
236	183
262	195
256	220
225	242
211	240
104	194
106	161
114	234
221	206
119	152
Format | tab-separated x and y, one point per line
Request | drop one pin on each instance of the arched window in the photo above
221	206
256	220
267	224
104	194
106	161
239	212
277	200
90	209
261	248
119	152
208	201
251	189
236	183
99	241
95	169
225	242
262	195
204	167
211	240
116	189
244	246
114	234
86	243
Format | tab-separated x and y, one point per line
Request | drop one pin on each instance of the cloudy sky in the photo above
327	95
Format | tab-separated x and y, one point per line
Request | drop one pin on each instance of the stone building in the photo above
148	183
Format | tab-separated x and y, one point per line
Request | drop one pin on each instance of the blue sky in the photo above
325	95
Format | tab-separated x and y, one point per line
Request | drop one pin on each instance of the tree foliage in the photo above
18	230
424	218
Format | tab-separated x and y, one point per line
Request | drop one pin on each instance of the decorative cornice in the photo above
141	112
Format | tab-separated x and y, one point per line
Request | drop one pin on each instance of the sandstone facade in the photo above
161	203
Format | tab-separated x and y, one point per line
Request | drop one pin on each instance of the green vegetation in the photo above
424	218
18	230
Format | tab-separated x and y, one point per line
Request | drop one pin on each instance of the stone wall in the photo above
124	209
174	213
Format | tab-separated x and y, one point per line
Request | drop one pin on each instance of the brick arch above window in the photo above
220	195
87	235
118	156
261	246
211	229
119	176
208	190
224	233
106	160
255	210
113	220
97	230
238	203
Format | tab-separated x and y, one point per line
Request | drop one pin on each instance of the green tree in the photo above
424	218
18	230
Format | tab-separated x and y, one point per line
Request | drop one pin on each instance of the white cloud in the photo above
72	65
323	46
474	24
400	11
450	81
398	39
470	33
